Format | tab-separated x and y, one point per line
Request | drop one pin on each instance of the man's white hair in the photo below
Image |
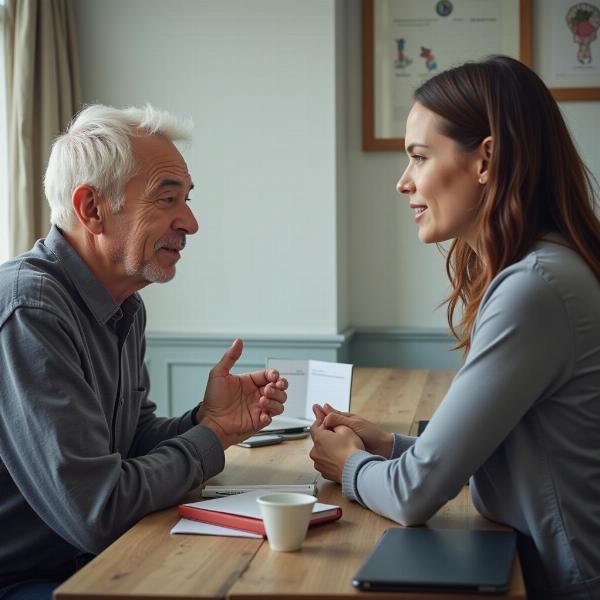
96	150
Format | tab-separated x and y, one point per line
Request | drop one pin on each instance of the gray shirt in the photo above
522	416
82	454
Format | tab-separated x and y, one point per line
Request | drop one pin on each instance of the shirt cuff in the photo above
188	420
350	473
401	444
194	413
208	450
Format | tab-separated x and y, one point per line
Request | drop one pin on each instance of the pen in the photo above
221	491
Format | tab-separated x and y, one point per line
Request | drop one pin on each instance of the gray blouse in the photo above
522	417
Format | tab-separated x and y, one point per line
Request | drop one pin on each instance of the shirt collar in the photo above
96	297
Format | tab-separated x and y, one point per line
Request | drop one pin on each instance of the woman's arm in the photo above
522	350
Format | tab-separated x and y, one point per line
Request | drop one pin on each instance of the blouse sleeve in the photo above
522	349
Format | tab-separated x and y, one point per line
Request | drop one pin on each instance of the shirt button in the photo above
122	401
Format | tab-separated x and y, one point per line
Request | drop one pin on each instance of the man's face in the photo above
145	237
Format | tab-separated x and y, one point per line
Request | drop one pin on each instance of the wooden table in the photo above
148	562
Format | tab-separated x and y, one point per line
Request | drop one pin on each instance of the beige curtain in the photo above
42	71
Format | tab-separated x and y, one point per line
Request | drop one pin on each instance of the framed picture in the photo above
567	48
405	42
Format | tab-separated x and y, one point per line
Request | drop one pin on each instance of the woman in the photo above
492	166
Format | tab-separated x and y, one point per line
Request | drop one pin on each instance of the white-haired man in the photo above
82	454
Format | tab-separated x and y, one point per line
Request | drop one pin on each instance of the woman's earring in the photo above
482	179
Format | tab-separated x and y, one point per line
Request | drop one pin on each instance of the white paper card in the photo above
313	382
296	372
199	528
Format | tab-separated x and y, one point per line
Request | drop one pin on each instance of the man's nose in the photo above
186	221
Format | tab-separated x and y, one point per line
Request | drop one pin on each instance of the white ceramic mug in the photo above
286	516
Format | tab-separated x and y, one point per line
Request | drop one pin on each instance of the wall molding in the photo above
179	363
405	348
321	341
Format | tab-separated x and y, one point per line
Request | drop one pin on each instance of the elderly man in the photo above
82	454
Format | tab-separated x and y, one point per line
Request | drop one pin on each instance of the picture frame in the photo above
560	53
382	116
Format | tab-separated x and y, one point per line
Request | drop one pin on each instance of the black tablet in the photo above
439	560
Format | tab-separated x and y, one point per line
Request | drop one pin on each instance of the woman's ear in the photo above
485	152
85	201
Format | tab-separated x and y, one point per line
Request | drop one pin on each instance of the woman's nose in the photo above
405	184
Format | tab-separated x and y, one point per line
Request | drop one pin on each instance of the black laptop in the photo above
439	560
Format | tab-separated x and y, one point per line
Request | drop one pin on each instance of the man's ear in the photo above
86	206
485	152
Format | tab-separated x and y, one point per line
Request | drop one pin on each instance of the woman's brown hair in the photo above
537	182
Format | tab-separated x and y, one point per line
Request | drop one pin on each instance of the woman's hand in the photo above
332	449
375	440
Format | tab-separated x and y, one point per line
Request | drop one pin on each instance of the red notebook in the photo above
241	511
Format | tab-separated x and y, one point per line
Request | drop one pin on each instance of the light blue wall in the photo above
406	348
179	364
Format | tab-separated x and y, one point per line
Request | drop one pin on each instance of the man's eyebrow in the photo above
411	147
165	183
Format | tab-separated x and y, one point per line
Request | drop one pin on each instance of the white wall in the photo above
4	212
300	231
583	119
258	78
341	148
395	281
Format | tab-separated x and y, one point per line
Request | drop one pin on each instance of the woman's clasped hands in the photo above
338	435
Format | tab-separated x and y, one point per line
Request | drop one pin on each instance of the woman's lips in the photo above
419	210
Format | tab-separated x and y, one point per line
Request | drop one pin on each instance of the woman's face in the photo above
441	180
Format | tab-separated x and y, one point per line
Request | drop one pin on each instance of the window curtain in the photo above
43	94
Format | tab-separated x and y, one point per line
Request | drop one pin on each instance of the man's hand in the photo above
375	439
236	406
332	449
